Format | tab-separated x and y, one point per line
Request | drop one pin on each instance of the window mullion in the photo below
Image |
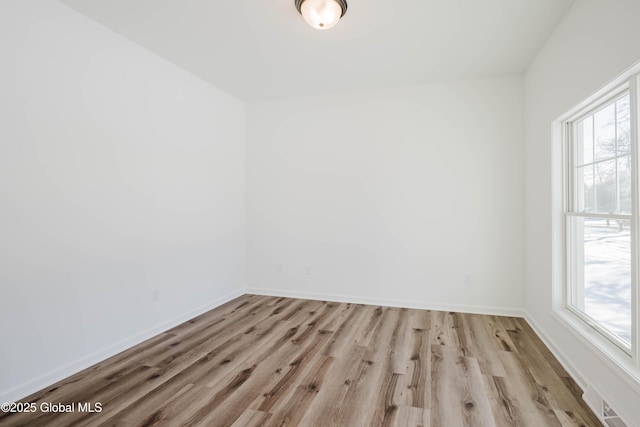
593	175
615	138
571	157
635	297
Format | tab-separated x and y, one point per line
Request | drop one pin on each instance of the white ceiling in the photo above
256	49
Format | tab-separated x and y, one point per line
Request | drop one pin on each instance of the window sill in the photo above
601	347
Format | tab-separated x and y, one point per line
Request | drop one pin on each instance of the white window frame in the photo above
603	343
573	270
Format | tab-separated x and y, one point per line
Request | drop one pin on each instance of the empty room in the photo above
320	213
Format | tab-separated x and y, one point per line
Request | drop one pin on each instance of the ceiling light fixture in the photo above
322	14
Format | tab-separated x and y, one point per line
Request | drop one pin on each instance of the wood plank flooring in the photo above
267	361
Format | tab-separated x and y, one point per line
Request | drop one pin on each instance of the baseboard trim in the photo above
47	379
573	371
422	305
558	354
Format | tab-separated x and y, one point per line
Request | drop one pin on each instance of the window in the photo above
600	214
596	229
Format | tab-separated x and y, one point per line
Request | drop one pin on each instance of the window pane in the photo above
605	187
624	184
623	130
585	190
604	122
585	141
602	283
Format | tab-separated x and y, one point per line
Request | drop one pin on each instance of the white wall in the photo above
390	196
596	41
119	174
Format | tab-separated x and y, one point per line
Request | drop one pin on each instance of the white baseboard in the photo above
422	305
45	380
559	354
575	373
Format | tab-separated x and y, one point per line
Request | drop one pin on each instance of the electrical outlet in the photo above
307	270
155	295
466	279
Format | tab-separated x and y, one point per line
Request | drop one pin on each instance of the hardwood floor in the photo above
267	361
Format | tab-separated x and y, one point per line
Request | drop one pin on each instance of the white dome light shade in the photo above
322	14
